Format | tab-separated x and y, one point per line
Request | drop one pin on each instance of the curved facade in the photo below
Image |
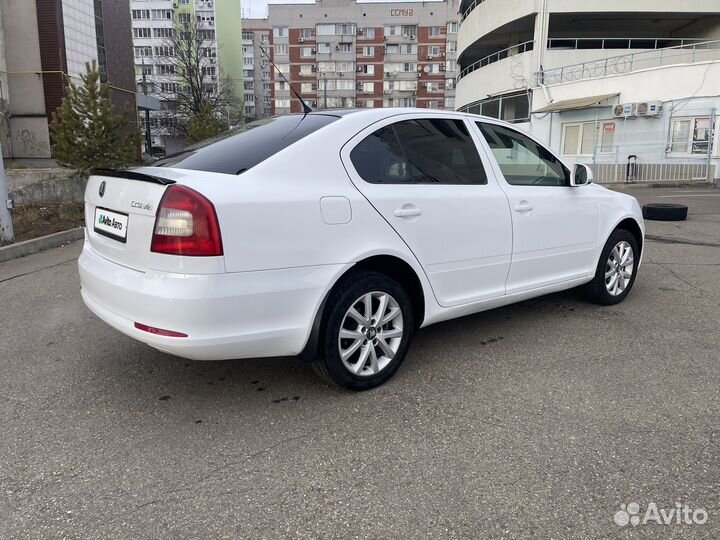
543	63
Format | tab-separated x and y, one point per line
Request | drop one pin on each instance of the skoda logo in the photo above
101	191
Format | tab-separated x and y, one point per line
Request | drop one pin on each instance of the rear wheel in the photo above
616	269
367	330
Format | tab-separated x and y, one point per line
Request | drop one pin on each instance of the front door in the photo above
424	175
555	225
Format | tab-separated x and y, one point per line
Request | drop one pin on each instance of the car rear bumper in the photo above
230	315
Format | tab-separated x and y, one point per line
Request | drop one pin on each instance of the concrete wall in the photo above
37	186
496	78
28	124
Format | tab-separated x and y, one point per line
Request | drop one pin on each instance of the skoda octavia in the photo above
336	235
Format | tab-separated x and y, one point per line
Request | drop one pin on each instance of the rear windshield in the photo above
240	149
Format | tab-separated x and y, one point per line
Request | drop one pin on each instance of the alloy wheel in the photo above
370	334
619	268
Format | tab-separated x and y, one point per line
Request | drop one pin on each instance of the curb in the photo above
28	247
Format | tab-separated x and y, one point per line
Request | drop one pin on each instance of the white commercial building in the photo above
631	87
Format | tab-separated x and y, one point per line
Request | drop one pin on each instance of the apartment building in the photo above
630	88
45	44
153	22
257	71
344	53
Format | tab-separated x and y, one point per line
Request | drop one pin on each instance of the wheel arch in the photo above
631	225
390	265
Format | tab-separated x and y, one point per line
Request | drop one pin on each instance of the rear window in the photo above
242	148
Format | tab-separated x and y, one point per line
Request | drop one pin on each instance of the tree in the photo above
205	100
204	125
87	133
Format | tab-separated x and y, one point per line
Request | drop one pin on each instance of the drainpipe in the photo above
711	139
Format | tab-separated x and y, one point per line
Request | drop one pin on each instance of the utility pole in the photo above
6	229
148	137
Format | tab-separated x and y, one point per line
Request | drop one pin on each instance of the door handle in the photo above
407	211
523	206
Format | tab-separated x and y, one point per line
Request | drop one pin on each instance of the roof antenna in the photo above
306	107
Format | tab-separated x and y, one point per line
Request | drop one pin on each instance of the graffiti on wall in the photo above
27	144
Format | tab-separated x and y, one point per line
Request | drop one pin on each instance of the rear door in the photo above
120	216
425	176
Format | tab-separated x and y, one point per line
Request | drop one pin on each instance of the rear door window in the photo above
422	151
241	149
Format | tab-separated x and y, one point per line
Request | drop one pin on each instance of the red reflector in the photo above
158	331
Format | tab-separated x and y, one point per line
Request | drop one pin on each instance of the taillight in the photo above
186	224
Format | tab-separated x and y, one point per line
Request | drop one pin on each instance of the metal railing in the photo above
571	43
627	63
497	56
473	5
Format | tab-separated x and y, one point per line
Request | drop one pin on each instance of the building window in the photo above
588	138
344	47
511	108
280	32
164	51
184	18
326	67
323	48
432	104
433	86
163	32
434	50
247	36
306	70
162	14
281	49
691	135
449	84
450	102
342	67
307	33
452	27
282	103
367	69
452	46
141	32
434	31
369	103
140	14
143	51
249	85
368	33
368	87
306	52
409	31
306	88
367	51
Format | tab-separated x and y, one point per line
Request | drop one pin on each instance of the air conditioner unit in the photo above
649	108
313	51
359	32
442	67
419	74
340	73
313	68
429	57
387	73
359	69
412	36
387	92
337	47
301	40
625	110
414	93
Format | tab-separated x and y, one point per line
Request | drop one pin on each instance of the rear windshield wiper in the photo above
132	175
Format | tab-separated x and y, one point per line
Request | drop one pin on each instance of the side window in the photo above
522	161
424	151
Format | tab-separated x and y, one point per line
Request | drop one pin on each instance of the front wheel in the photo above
367	331
616	269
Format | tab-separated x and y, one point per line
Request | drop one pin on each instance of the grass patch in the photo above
36	220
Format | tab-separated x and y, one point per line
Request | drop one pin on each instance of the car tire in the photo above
356	359
611	283
665	212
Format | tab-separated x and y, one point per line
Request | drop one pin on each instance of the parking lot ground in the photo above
535	420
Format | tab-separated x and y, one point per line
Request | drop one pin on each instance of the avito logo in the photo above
109	222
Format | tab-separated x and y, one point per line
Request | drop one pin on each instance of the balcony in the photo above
496	78
494	17
687	53
497	56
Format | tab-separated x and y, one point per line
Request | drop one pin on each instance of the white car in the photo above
335	235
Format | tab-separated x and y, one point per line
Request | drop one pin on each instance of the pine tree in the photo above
87	133
203	125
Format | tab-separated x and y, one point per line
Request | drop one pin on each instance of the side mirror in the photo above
582	174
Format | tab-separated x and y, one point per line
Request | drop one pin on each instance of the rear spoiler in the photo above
132	175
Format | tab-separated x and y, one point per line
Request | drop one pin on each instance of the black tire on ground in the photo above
345	294
596	290
665	212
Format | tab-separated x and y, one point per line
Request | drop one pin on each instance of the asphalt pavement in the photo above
536	420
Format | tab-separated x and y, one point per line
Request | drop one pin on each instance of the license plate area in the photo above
111	224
